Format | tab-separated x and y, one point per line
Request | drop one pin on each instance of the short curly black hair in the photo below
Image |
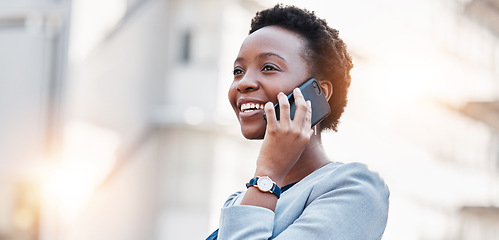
326	52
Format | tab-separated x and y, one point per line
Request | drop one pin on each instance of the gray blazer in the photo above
337	201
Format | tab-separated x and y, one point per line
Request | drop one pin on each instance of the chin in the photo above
253	133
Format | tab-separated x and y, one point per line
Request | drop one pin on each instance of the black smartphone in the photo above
312	91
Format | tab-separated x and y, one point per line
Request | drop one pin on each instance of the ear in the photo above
327	88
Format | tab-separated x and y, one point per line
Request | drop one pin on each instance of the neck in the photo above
312	158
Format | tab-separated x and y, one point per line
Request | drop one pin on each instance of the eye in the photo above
237	71
269	67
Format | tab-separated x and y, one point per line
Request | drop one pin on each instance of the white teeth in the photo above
247	107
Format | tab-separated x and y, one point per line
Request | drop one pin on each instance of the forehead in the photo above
275	39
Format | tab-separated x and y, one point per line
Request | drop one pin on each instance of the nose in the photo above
248	83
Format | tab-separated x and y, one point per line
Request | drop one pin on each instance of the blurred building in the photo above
480	219
33	67
115	122
114	117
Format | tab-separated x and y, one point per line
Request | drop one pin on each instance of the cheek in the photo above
273	91
232	95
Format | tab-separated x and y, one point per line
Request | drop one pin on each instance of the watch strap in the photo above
252	182
275	189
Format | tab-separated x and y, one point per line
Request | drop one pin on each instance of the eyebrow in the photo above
263	55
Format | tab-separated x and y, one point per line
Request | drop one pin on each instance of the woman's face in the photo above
269	61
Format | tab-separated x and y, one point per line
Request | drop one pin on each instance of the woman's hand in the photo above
286	139
282	146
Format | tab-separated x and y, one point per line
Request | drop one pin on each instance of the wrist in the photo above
276	176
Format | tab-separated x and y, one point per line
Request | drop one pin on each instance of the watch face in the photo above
264	184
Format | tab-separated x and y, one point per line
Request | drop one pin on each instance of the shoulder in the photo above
354	184
356	194
357	175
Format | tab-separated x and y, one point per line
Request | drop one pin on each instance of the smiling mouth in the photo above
249	107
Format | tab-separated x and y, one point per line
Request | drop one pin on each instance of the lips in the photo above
250	108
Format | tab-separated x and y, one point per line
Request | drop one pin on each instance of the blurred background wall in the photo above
115	122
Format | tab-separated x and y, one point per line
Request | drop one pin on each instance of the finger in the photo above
308	116
284	107
307	124
302	108
270	112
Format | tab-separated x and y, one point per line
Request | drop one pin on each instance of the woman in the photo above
296	191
